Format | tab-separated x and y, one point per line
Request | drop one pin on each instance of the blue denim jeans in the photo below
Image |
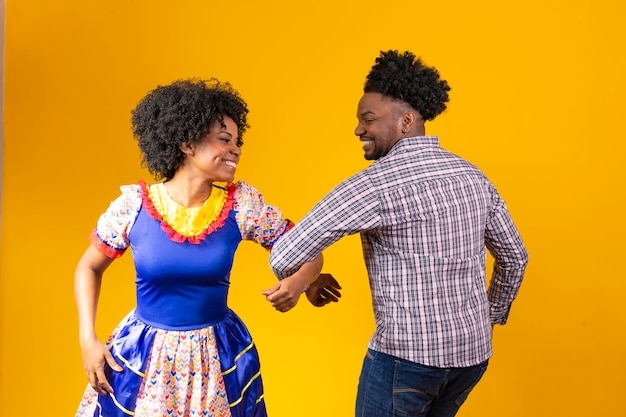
393	387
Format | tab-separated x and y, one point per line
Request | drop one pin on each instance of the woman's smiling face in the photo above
216	155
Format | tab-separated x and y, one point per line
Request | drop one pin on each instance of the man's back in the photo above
432	202
426	217
426	257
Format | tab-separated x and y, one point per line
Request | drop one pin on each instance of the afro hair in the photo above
183	113
404	77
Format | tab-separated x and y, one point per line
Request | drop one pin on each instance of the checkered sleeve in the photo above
505	244
349	208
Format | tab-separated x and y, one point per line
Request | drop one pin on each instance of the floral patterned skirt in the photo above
212	371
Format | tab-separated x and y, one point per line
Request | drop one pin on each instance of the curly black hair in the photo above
404	77
183	113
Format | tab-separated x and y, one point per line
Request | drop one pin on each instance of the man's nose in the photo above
359	130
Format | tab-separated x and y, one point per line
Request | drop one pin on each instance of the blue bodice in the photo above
182	286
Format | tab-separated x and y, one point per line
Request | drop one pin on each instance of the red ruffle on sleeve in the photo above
103	248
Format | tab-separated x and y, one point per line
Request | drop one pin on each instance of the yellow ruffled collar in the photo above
185	223
188	221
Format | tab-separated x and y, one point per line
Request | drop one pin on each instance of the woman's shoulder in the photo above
131	189
129	200
247	197
244	188
133	192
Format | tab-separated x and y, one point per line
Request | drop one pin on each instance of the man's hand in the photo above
324	290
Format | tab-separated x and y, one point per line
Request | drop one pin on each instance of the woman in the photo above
182	351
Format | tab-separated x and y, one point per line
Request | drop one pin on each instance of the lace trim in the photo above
176	233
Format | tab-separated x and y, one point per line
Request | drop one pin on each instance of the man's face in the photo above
380	124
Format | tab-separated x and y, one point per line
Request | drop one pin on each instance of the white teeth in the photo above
231	164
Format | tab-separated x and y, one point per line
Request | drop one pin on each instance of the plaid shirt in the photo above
426	218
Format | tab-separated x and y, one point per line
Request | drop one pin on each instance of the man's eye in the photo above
369	121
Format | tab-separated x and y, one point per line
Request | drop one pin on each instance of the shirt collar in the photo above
415	142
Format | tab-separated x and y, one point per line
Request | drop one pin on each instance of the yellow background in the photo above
536	102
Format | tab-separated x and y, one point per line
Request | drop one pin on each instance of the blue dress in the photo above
184	352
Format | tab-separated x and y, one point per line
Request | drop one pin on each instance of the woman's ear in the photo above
187	149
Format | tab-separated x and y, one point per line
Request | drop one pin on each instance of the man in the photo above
426	219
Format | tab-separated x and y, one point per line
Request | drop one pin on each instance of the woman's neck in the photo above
188	192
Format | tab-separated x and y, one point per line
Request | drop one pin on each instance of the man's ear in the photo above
408	120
